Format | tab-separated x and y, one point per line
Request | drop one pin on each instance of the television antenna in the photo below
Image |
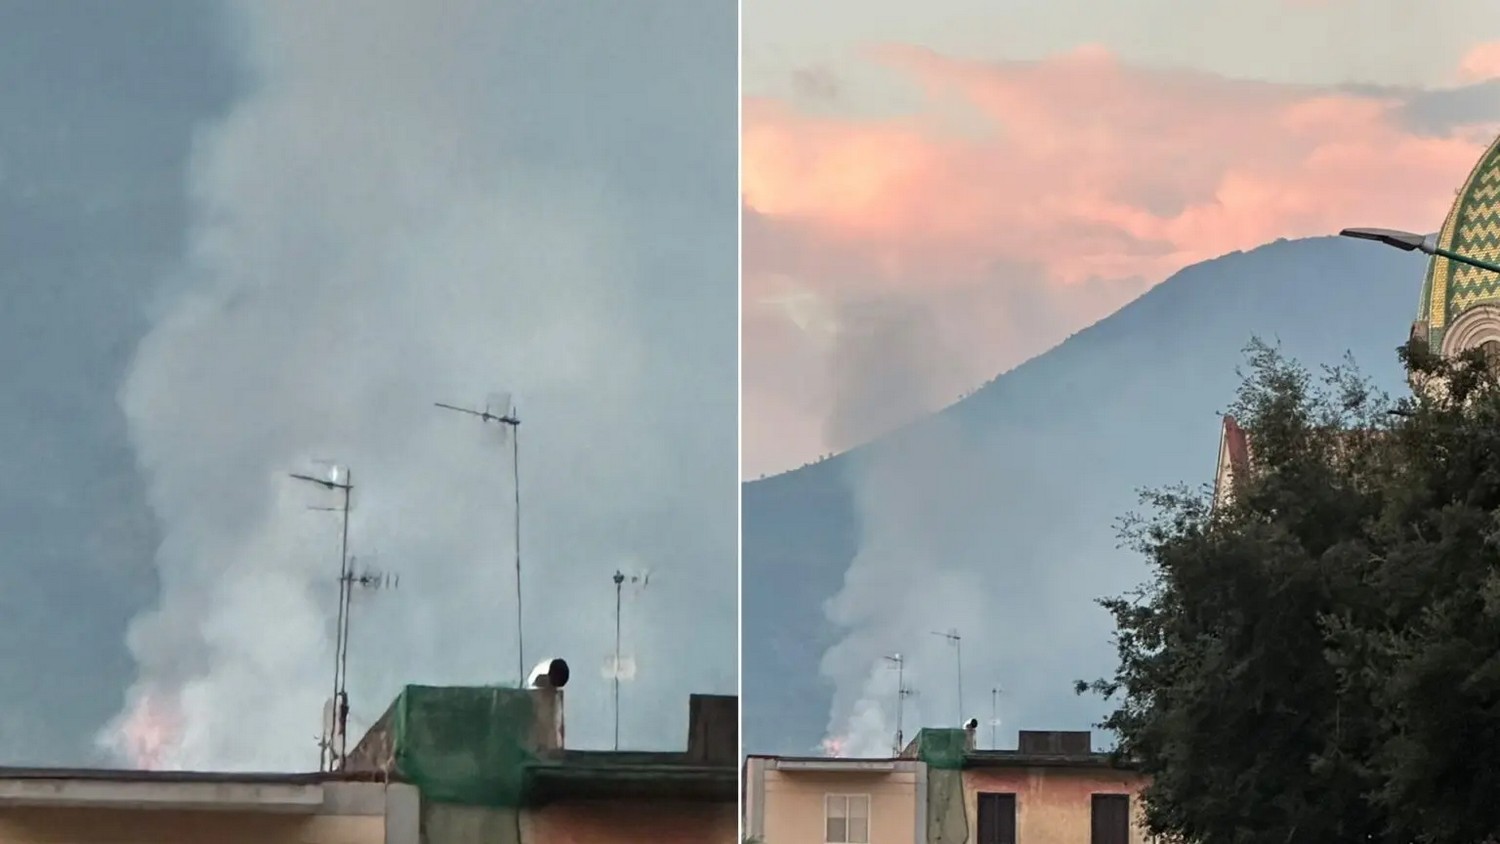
619	670
995	694
902	693
368	579
500	409
340	478
957	642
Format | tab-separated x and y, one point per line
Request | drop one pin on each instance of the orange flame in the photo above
150	732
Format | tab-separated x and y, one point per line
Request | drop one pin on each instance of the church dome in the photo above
1461	304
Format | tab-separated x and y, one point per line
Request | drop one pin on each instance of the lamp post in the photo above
1410	241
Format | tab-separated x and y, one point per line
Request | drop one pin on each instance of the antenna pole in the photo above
619	582
367	579
900	701
958	658
327	755
340	692
901	693
994	717
957	640
515	462
512	419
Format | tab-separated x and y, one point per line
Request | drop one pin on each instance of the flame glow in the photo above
150	732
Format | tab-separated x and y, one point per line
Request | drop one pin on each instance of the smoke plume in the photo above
400	210
906	584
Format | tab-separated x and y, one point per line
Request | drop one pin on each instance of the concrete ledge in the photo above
98	793
842	766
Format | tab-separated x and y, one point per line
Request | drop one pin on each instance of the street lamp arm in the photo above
1425	243
1465	259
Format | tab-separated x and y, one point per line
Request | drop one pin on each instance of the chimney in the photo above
547	727
714	729
1056	742
971	727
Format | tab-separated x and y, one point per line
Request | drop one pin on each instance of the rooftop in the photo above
474	745
491	746
952	748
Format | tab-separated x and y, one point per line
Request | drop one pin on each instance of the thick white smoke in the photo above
901	589
904	586
368	242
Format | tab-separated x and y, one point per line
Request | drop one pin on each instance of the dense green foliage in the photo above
1319	660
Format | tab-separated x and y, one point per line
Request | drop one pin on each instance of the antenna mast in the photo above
994	716
619	584
508	417
340	646
957	641
367	579
902	693
617	670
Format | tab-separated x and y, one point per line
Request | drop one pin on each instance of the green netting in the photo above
465	745
943	749
947	814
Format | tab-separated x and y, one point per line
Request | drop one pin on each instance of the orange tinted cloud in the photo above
1076	181
1481	63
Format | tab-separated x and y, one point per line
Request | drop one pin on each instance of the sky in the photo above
355	216
1007	173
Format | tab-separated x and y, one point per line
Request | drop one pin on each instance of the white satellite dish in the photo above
329	724
623	671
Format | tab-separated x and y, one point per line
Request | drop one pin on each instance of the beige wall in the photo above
116	826
631	823
792	810
1053	805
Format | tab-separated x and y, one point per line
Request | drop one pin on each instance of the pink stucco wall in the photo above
794	804
1053	805
631	823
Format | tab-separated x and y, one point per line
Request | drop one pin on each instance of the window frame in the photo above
1111	796
1015	813
847	797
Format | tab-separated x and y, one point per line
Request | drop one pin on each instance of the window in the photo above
847	818
1111	819
997	818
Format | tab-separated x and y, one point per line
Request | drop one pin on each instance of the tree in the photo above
1423	647
1320	659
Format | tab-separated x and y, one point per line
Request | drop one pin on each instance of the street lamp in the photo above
1409	241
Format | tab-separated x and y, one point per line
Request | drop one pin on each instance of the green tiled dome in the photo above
1472	228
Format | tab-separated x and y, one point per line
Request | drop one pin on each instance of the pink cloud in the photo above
1481	64
1082	178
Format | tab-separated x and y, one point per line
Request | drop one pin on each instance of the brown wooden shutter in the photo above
997	818
1111	820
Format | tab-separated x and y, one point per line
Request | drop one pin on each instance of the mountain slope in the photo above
1016	490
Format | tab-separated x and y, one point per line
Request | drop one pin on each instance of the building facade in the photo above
835	801
1052	789
445	765
491	767
138	807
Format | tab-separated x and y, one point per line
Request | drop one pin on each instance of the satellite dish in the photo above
624	670
971	724
549	674
328	719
